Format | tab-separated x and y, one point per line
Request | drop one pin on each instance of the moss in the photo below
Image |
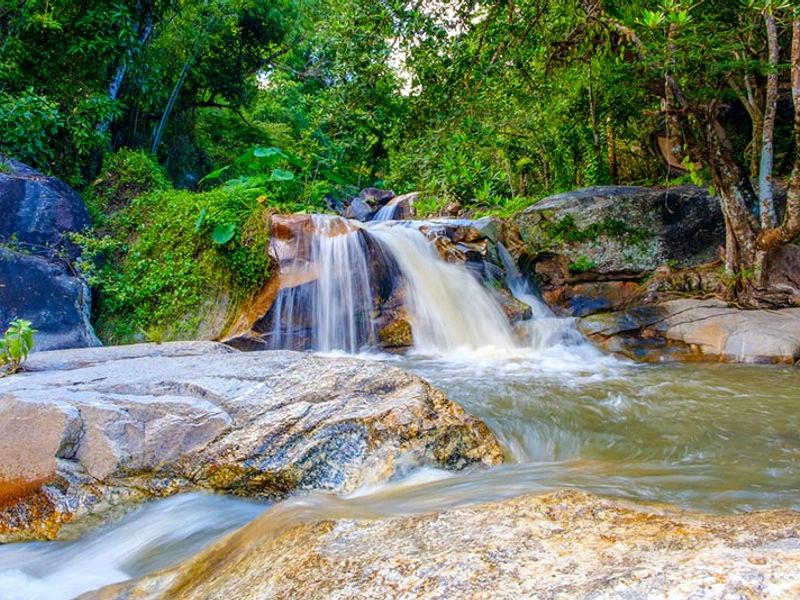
567	231
156	267
582	264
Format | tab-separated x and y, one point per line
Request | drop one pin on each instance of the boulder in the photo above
50	295
559	545
589	247
86	431
690	329
38	281
366	204
38	211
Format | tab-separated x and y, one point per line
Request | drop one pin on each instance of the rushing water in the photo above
718	438
449	309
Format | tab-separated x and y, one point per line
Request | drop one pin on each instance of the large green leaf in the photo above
266	152
201	219
281	175
214	175
223	233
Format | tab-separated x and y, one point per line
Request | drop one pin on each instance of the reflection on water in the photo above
709	437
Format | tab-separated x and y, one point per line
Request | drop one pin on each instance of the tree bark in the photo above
769	218
790	228
122	69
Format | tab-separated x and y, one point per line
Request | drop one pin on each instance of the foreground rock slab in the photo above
699	330
560	545
87	431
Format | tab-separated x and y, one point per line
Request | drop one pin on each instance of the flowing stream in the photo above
718	438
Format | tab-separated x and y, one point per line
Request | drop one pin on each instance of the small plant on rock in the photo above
15	345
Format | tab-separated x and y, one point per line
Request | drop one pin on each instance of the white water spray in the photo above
449	309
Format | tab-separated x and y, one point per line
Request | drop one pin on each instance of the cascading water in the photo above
331	307
329	300
449	309
545	329
388	211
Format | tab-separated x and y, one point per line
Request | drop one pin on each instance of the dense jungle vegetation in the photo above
185	122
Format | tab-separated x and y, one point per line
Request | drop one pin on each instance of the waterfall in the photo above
338	276
545	329
449	309
331	309
388	211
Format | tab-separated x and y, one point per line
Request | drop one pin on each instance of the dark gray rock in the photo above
49	295
38	210
626	229
37	279
359	210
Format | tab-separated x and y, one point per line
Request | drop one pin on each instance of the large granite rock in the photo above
38	281
86	431
50	295
589	247
38	210
691	329
560	545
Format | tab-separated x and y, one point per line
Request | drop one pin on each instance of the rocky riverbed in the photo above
560	545
85	432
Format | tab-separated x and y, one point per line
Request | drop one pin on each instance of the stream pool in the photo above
716	438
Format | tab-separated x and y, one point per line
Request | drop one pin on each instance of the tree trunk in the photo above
122	68
765	196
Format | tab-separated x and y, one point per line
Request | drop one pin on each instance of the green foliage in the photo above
126	175
582	264
160	268
15	345
565	230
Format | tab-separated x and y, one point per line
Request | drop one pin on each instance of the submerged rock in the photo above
698	330
86	431
559	545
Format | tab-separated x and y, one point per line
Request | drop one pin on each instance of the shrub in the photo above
126	175
160	265
15	345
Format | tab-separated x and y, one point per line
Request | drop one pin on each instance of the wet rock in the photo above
699	330
358	209
581	299
404	206
514	309
86	431
559	545
589	247
396	335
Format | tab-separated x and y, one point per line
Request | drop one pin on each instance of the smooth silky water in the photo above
709	437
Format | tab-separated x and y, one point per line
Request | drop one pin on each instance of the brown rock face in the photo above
396	335
86	431
560	545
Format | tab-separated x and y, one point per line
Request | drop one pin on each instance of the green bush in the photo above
126	175
15	345
160	267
